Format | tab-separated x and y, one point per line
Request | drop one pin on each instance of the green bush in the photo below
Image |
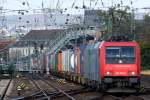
145	58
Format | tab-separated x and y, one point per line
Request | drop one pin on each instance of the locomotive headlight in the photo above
133	73
120	61
108	73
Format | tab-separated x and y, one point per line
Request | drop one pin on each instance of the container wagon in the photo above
101	65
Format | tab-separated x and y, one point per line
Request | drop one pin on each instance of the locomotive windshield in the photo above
120	55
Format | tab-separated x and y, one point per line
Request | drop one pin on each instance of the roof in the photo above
42	34
4	44
39	37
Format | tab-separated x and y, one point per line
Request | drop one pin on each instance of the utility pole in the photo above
44	14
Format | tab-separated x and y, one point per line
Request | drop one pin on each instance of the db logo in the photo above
120	73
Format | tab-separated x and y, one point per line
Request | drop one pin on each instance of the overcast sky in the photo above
37	4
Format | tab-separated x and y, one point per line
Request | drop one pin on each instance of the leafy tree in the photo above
143	30
116	20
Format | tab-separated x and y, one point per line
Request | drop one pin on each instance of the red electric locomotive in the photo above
120	64
101	64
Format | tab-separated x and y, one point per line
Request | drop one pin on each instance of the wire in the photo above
95	3
58	4
73	4
102	3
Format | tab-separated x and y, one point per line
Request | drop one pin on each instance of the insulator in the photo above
67	19
84	7
23	3
27	22
66	22
22	13
20	18
76	7
61	12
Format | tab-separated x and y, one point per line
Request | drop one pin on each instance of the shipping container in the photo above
56	62
72	61
86	62
95	65
77	61
90	59
63	60
67	60
46	62
51	62
82	48
60	61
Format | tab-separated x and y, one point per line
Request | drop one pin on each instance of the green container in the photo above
56	62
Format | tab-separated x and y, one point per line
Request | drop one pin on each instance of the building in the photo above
92	18
29	48
4	50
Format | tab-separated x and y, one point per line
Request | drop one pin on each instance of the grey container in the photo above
65	60
82	48
95	65
86	62
90	66
91	62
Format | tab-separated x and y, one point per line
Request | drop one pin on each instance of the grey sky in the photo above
37	4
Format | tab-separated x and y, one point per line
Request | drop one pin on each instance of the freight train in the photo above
100	65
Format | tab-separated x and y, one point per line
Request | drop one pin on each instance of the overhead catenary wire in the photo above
73	4
102	3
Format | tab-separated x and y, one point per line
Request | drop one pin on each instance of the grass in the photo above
146	72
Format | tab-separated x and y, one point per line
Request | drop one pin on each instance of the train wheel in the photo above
79	79
103	86
138	87
98	87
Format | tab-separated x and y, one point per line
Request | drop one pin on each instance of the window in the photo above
120	55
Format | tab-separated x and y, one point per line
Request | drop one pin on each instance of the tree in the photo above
116	20
143	30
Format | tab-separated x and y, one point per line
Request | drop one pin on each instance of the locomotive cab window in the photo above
120	55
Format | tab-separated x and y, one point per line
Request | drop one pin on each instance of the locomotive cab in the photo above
121	64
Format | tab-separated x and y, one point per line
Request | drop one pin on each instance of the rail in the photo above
60	90
5	90
42	93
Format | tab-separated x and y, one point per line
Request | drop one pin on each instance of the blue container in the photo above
95	65
82	48
86	62
91	61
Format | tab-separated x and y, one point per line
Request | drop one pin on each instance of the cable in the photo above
73	4
58	4
102	3
96	3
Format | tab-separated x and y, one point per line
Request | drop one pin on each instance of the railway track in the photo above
121	97
5	90
60	91
43	93
48	88
109	96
